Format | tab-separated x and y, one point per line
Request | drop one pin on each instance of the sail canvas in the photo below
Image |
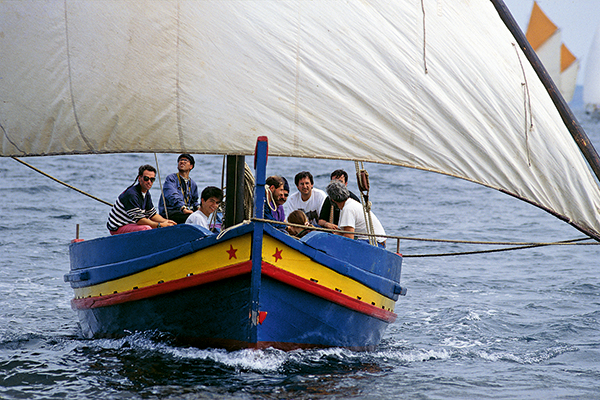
376	81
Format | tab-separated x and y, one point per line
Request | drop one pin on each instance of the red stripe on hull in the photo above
229	272
163	288
326	293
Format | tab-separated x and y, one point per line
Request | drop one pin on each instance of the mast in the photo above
566	114
234	204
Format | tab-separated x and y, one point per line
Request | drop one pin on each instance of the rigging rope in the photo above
248	192
248	199
362	180
61	182
162	193
515	245
527	106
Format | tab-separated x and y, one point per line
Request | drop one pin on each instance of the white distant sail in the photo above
443	88
591	82
561	64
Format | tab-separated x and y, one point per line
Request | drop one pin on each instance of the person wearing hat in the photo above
180	192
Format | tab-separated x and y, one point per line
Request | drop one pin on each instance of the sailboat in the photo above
591	81
545	38
447	87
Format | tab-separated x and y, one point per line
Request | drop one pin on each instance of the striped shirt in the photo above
130	207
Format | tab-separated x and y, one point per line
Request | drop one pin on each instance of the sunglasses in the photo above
147	178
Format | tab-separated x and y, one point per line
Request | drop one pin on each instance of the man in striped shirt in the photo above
133	211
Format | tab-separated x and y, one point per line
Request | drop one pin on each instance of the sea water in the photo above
521	324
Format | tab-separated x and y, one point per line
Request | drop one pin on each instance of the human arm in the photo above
350	231
156	221
173	194
160	222
327	225
144	213
324	215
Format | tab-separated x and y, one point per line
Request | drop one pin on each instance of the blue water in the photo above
513	325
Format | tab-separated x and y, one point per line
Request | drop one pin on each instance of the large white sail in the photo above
443	87
591	82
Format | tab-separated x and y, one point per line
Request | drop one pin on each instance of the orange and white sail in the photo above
545	38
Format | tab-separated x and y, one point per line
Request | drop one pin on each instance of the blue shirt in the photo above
178	193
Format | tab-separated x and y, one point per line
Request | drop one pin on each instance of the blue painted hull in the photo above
204	316
215	308
295	319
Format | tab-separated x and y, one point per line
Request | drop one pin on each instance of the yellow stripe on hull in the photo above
220	255
284	257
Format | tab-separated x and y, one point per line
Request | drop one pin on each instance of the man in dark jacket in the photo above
180	192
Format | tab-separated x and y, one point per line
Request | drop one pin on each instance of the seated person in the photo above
180	192
133	211
280	213
274	187
308	199
352	216
210	199
299	218
330	213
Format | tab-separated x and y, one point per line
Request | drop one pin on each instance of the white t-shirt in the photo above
314	203
353	215
198	218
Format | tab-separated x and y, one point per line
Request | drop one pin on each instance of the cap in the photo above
189	157
286	186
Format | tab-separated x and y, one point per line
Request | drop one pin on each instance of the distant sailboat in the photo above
545	38
591	81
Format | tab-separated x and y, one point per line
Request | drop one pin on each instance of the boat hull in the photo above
205	295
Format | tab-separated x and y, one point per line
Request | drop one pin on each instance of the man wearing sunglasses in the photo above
180	192
133	211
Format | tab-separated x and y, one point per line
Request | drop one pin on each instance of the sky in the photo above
577	20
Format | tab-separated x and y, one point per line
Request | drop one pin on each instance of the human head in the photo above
146	167
286	192
146	177
304	174
210	199
304	182
337	191
187	157
299	218
275	184
340	174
